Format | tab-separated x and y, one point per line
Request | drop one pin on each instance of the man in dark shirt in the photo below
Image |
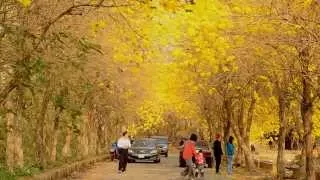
217	150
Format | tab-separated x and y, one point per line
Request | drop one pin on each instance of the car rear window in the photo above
202	144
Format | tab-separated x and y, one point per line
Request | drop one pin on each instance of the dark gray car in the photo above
163	144
144	150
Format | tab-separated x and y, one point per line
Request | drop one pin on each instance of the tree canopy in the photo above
75	73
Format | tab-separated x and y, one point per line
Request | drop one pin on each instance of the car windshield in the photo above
162	141
143	143
202	145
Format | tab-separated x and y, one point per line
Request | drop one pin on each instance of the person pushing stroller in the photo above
189	152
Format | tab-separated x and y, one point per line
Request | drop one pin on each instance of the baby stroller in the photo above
198	171
199	165
185	172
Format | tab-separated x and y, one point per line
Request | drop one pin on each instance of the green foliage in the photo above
37	69
5	175
25	171
2	138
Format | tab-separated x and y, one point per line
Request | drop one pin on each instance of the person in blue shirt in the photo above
230	152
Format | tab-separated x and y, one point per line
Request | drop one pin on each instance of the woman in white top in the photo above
123	145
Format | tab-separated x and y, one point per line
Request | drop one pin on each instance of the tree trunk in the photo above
53	155
66	148
41	127
210	128
227	120
92	132
19	157
281	141
6	91
18	148
306	106
240	156
101	136
302	161
241	133
14	118
83	138
306	114
10	149
246	150
247	153
249	119
92	141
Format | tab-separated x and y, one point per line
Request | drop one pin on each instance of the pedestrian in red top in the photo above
189	152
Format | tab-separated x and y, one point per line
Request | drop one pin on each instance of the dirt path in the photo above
166	170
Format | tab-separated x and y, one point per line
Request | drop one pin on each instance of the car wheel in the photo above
166	155
209	162
157	161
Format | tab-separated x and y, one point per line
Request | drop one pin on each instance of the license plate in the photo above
141	156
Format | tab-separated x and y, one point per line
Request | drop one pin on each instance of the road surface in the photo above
167	169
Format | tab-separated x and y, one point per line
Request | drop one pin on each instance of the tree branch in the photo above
6	91
72	8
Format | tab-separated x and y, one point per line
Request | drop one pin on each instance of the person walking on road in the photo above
230	152
217	151
189	152
123	145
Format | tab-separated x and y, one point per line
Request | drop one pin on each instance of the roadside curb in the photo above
66	170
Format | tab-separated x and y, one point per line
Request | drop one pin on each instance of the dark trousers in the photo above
218	162
123	159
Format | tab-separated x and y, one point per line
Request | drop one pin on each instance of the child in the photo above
199	164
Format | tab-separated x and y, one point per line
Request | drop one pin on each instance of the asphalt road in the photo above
167	169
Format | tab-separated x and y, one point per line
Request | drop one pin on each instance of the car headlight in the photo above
130	151
154	152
